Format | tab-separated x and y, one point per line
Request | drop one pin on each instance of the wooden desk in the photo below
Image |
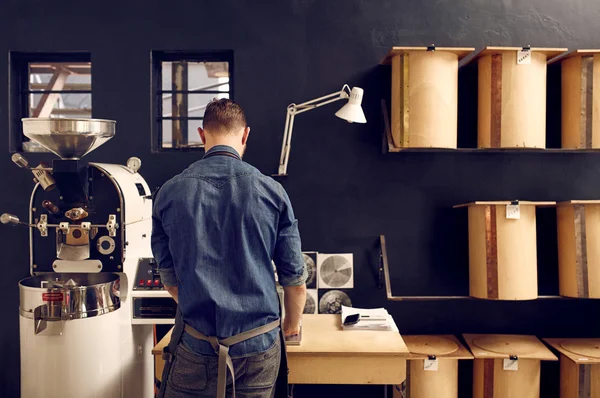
330	355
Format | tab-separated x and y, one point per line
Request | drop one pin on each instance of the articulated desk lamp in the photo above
352	112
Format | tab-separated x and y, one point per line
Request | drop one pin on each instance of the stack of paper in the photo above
369	319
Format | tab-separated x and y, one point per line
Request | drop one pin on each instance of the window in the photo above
54	85
183	83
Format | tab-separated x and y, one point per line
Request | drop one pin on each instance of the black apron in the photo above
168	355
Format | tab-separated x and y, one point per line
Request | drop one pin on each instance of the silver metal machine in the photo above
87	311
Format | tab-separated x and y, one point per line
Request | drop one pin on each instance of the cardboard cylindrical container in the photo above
507	366
579	367
512	96
432	370
502	250
424	105
578	223
580	91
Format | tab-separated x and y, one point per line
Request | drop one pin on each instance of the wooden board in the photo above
490	50
581	101
324	335
578	202
490	380
310	369
496	270
442	346
579	380
330	355
578	228
571	104
578	350
512	107
516	251
505	202
396	118
572	54
424	108
442	383
567	256
432	106
503	346
478	252
460	52
592	228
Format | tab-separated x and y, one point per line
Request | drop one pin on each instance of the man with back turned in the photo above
216	228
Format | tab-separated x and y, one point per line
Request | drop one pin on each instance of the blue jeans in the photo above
194	375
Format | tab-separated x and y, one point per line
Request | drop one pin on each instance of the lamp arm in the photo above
295	109
311	103
306	108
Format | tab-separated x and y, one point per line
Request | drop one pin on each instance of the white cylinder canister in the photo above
70	339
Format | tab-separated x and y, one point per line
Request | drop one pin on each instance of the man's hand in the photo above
294	298
290	329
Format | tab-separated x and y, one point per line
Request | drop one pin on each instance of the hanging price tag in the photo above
513	211
431	365
511	364
523	57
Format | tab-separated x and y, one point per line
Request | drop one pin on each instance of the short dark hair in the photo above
224	116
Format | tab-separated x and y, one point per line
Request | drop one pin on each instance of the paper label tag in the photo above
431	365
52	296
523	57
511	364
513	211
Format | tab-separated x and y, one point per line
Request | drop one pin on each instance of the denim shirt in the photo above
216	228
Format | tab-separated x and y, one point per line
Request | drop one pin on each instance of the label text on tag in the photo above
431	365
511	364
523	57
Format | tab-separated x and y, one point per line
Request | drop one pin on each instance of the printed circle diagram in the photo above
311	269
310	306
336	271
332	301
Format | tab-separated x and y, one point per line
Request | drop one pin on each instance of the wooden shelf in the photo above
385	279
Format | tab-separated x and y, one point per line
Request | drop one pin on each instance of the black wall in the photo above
345	192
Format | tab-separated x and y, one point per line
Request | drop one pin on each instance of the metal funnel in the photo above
69	138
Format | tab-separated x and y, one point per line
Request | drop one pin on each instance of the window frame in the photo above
18	87
157	57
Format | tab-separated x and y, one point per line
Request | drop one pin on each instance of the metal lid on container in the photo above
69	138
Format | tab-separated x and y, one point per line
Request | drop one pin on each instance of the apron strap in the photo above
168	353
221	348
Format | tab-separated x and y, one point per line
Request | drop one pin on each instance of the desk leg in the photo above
385	391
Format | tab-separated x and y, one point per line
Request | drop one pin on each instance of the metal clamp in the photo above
86	226
64	227
112	225
42	225
513	357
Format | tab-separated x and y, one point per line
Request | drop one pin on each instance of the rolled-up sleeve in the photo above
160	249
291	270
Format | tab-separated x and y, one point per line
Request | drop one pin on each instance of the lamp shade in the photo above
352	111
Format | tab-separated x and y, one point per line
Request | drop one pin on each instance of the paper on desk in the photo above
371	319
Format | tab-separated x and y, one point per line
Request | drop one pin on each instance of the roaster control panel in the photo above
147	276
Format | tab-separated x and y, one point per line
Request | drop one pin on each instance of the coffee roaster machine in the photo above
88	309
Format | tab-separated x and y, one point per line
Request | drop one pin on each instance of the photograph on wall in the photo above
331	302
312	298
335	271
310	259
